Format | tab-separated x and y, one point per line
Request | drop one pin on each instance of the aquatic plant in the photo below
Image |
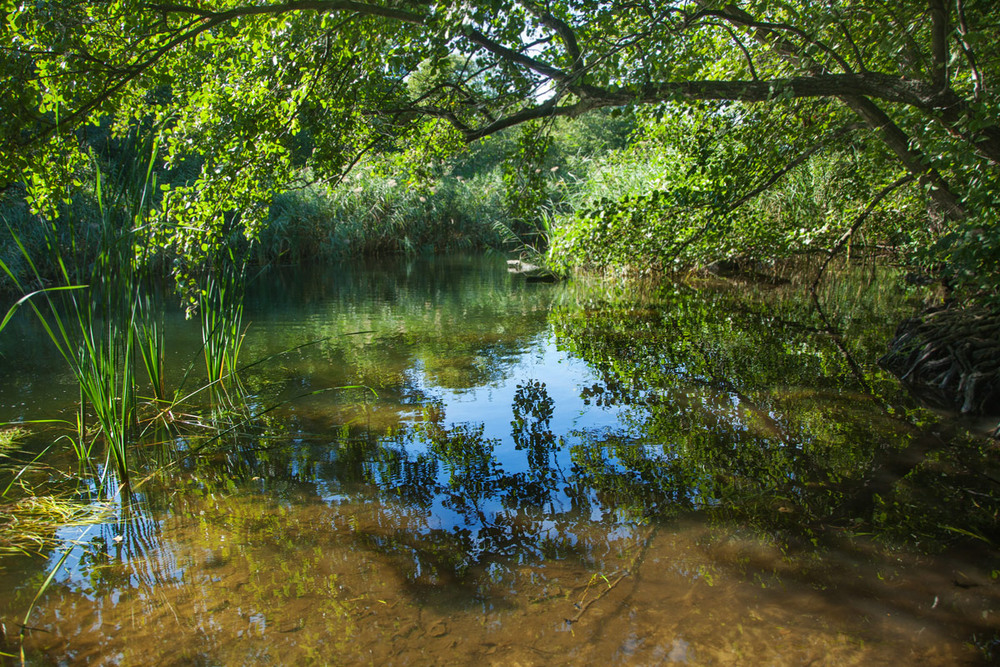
99	328
9	439
29	523
220	311
30	515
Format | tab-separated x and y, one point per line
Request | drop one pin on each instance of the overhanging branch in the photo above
206	20
860	220
821	86
501	51
795	163
565	32
321	6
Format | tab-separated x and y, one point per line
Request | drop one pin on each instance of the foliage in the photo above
962	474
220	311
531	427
763	411
696	188
374	214
103	316
99	336
252	92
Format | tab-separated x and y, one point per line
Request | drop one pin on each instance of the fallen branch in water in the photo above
582	606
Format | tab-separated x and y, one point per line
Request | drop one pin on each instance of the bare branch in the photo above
746	52
794	164
476	37
741	18
970	56
850	40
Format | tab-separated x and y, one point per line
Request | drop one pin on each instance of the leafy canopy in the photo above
241	84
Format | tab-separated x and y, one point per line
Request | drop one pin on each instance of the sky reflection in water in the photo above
543	475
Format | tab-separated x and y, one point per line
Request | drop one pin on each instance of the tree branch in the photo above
939	103
746	52
800	159
860	220
853	88
970	56
899	143
886	87
478	38
209	20
910	54
321	6
858	56
741	18
548	109
565	32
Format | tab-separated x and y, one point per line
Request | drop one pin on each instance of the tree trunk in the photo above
946	203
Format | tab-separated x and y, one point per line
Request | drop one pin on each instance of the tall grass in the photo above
150	341
220	309
101	327
374	214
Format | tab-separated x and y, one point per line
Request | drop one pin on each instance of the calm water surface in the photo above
522	474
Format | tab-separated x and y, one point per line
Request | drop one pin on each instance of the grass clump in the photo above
10	440
28	525
371	213
29	516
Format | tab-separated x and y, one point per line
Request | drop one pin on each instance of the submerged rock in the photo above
531	272
950	359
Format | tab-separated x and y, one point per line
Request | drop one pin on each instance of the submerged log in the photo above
950	359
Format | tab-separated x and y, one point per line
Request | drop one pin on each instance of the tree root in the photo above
950	358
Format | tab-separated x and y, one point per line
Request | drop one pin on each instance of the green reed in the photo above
220	310
101	327
148	329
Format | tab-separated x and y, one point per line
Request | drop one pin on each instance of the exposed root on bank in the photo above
950	358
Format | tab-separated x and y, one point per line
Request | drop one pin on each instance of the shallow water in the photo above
535	474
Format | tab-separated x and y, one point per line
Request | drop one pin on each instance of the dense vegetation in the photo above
142	140
878	122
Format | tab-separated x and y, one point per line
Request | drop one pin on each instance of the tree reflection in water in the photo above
728	436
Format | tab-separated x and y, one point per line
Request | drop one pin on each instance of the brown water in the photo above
543	474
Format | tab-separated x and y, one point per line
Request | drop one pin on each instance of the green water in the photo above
531	474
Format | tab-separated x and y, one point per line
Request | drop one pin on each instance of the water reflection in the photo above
546	474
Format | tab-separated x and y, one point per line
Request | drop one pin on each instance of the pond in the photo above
444	464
